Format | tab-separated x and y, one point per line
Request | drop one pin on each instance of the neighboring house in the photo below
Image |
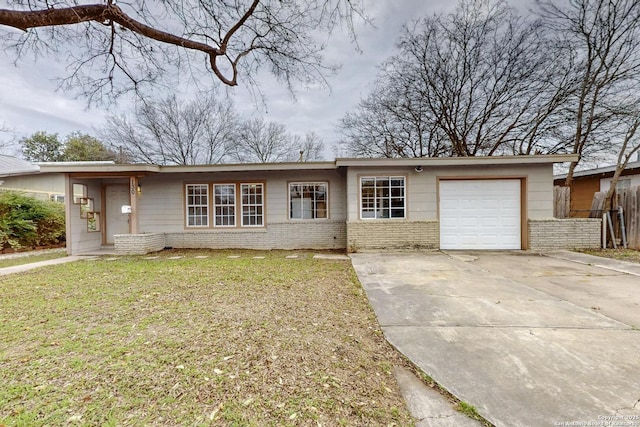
25	177
352	204
588	182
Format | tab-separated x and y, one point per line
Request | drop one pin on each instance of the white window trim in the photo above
389	177
242	205
235	205
326	186
186	205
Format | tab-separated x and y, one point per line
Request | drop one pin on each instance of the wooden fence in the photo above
629	199
561	201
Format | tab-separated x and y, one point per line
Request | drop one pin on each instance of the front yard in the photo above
194	341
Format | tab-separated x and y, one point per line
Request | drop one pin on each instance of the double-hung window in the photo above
230	205
382	197
252	206
308	200
197	204
224	200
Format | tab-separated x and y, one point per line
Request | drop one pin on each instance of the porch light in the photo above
139	189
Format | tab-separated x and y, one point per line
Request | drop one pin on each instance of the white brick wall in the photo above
289	235
138	244
358	235
380	234
566	233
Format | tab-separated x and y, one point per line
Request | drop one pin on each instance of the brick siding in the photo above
138	244
566	233
290	235
380	234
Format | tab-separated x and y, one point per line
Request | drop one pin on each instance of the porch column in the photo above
133	198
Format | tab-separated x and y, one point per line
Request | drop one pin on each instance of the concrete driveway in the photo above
529	340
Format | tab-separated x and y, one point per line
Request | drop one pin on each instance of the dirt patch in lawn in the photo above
630	255
259	340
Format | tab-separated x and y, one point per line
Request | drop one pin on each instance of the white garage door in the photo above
480	214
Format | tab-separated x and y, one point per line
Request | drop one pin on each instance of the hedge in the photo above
28	222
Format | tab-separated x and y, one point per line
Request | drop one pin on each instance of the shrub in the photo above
28	222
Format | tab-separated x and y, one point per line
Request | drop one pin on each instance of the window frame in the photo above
260	205
374	199
314	202
206	206
234	185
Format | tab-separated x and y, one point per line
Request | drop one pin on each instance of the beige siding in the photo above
161	204
80	240
39	186
422	196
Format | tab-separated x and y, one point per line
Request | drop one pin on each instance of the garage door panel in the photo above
480	214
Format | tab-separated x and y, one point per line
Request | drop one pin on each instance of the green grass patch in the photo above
11	262
215	341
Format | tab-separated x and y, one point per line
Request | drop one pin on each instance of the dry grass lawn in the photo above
194	342
630	255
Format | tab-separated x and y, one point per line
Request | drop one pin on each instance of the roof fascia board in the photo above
460	161
301	166
88	169
631	166
249	167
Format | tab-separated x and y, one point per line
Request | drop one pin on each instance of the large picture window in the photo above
224	200
197	205
308	200
252	205
382	197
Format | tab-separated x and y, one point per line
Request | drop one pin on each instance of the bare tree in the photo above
627	142
479	81
113	48
392	122
174	132
311	147
604	36
258	141
5	145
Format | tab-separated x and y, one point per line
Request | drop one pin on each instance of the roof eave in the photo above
249	167
459	161
98	168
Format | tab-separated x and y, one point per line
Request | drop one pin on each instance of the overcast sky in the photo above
29	101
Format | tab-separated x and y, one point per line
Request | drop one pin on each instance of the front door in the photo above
116	222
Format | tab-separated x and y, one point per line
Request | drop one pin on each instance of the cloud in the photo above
29	102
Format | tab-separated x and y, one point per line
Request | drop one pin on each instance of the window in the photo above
252	208
382	197
197	205
308	200
232	204
224	205
621	186
79	192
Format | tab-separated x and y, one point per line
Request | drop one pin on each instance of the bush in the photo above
28	222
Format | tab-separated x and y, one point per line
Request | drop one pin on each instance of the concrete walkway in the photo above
528	340
30	266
